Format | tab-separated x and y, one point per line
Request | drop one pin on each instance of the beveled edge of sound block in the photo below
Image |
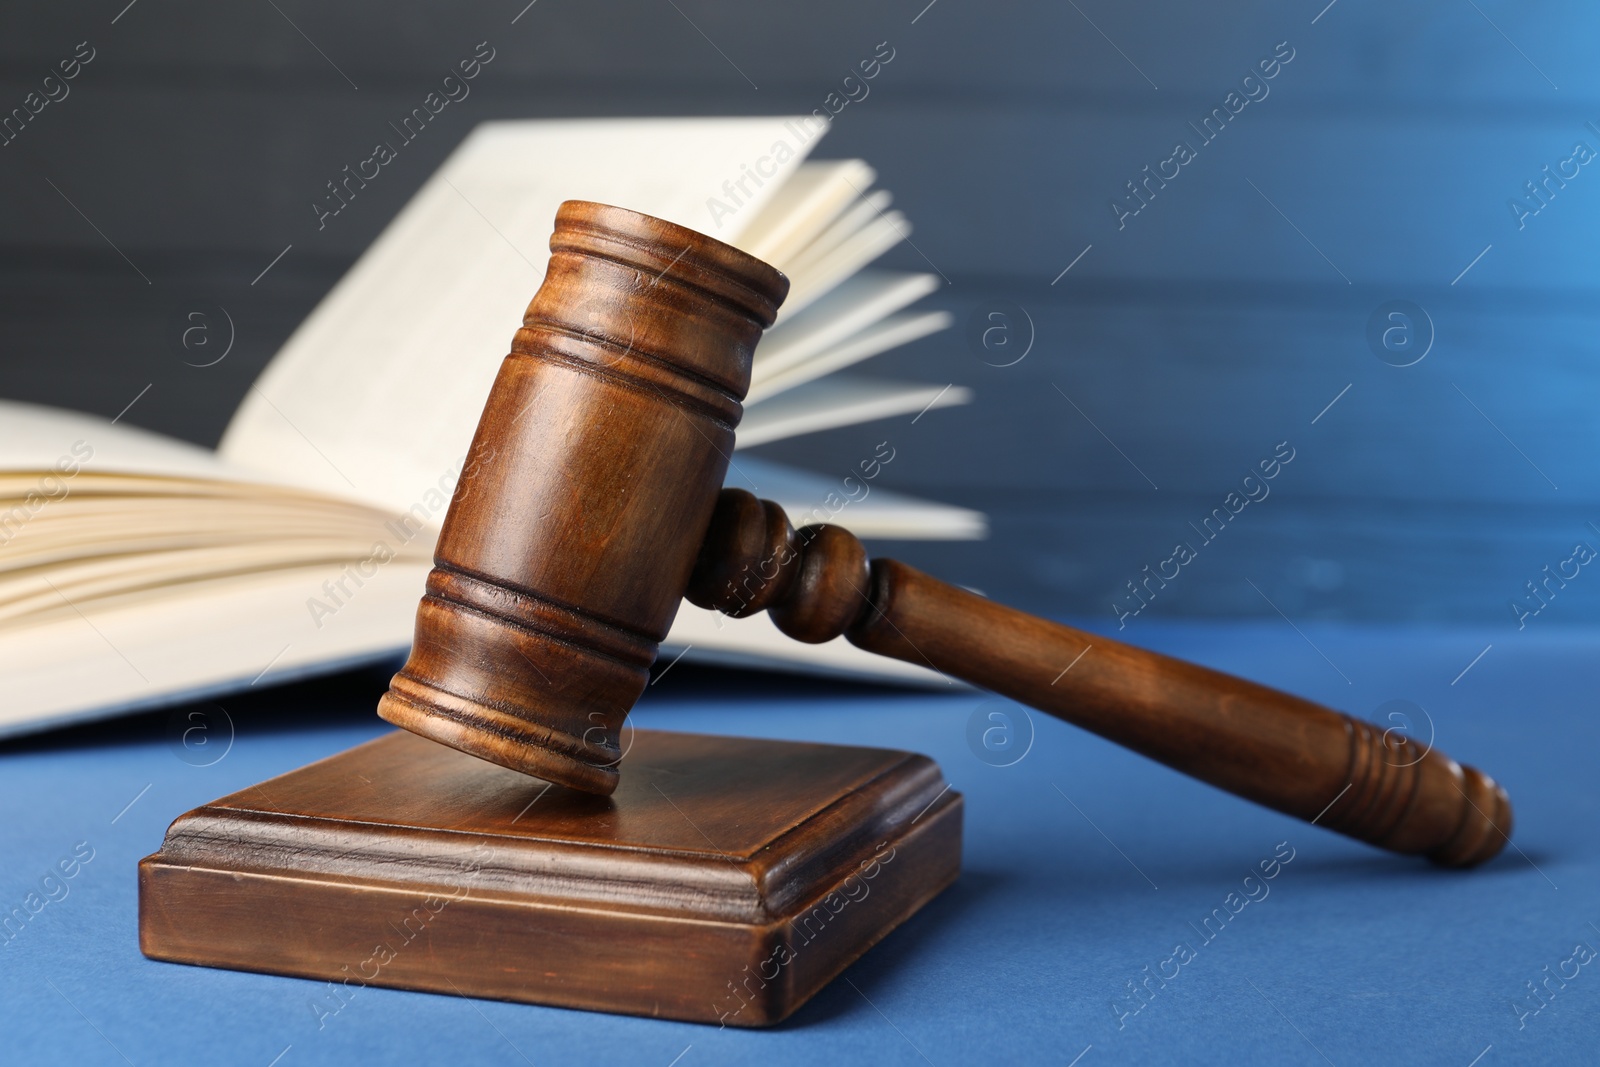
727	881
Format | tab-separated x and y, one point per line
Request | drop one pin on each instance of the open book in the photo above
136	570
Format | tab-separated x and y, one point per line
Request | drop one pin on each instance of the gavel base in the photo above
726	881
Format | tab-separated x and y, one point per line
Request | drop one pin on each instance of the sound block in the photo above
726	881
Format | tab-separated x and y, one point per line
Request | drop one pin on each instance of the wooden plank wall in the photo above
1377	164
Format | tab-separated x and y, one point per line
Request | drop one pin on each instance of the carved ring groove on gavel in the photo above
592	504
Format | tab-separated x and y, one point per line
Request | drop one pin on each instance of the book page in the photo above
841	229
839	400
197	638
378	392
867	298
848	498
35	438
804	208
892	332
818	276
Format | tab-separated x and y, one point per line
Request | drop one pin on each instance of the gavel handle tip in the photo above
1486	823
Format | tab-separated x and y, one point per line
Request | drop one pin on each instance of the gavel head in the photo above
585	496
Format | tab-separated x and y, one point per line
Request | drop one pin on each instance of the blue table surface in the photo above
1083	865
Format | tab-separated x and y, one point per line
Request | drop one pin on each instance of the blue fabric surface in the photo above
1352	957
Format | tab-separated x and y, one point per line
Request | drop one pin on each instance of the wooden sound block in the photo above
727	879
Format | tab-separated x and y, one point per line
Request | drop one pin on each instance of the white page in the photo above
376	395
196	639
840	400
859	504
851	255
804	208
36	438
847	225
892	332
853	306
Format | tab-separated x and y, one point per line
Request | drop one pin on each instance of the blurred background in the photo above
1248	302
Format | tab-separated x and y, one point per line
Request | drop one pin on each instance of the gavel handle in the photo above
1278	750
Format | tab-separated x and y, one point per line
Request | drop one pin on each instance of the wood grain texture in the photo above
727	880
1270	747
586	493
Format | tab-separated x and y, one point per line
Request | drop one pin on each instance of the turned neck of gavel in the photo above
1286	753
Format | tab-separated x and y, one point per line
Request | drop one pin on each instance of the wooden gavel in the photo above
592	503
